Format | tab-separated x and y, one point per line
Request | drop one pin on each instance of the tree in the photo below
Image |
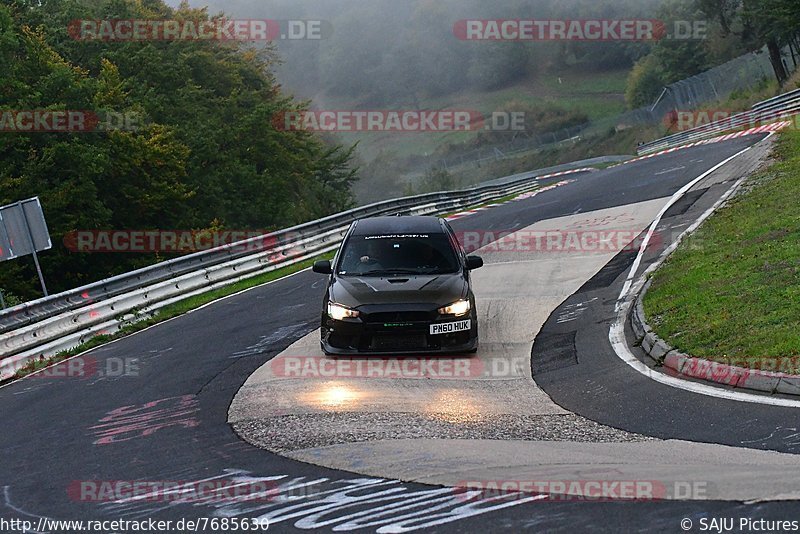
758	23
204	150
645	82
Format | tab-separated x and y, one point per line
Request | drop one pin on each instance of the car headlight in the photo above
339	312
459	307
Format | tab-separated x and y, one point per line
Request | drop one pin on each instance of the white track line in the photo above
616	334
675	198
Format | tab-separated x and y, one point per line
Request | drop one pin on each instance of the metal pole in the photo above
33	249
659	99
713	88
2	300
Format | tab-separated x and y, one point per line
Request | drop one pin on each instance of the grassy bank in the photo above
731	292
598	95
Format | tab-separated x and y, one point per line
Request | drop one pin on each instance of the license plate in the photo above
448	328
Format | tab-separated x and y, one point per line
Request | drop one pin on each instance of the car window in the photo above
381	255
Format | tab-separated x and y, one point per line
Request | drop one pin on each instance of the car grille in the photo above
399	342
398	317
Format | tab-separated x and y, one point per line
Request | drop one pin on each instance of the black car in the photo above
399	285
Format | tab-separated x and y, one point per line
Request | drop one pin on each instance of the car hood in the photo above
438	290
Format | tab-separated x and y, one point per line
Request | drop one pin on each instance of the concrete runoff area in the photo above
680	469
486	427
516	291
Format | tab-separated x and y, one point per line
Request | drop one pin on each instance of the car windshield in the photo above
385	255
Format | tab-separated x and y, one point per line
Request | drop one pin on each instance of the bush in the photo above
645	83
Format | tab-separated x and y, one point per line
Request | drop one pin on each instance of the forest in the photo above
203	155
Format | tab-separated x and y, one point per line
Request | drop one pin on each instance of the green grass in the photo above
598	107
584	82
731	292
598	94
168	312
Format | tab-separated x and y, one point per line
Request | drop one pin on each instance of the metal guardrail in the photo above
45	326
781	106
783	98
37	310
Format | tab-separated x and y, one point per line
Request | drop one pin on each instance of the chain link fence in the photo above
740	74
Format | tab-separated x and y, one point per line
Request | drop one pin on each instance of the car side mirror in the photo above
474	262
322	267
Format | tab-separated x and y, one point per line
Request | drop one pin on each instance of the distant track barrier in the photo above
779	107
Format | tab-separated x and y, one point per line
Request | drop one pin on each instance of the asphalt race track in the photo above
166	418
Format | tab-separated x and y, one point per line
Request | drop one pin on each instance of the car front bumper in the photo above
384	331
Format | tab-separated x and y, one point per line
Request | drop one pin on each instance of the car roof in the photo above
398	225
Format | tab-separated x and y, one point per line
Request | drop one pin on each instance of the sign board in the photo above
23	229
